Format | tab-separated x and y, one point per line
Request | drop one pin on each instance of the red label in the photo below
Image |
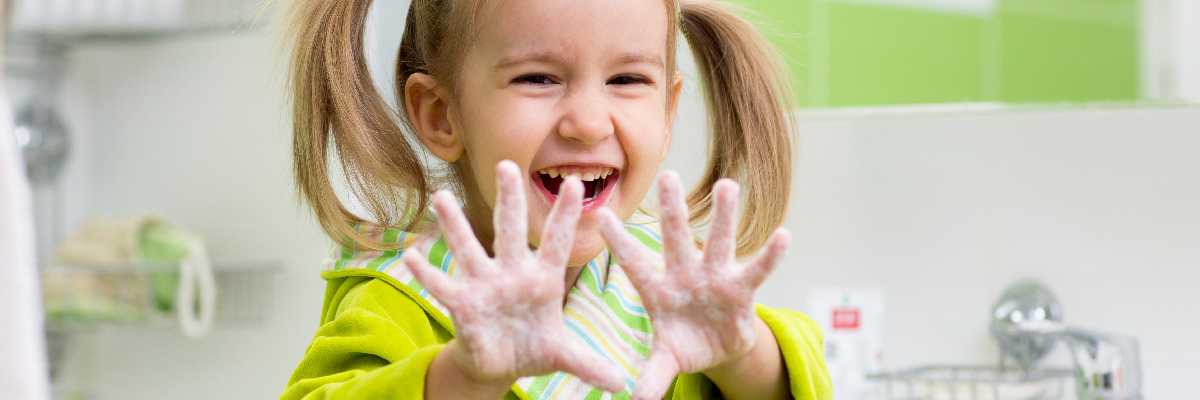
845	318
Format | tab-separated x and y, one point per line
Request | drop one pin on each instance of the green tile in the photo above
852	54
1069	51
883	55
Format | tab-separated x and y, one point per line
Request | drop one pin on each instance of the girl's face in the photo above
569	87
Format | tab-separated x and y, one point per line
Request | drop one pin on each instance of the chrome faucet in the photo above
1027	321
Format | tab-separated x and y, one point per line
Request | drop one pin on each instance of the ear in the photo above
428	106
672	106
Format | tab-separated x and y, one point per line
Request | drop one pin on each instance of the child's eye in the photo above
629	80
534	79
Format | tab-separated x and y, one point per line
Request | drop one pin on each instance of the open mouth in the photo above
596	181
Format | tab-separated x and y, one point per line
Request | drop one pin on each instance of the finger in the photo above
559	235
459	235
432	278
757	269
721	241
509	219
678	243
590	367
626	248
657	374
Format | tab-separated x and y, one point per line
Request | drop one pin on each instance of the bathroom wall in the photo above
943	211
193	129
940	207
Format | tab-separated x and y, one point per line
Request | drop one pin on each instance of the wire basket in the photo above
79	295
949	382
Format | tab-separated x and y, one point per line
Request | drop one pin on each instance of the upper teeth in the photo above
587	175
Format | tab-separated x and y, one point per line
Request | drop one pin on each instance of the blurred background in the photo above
948	148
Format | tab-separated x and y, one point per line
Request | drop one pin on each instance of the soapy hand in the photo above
702	304
508	311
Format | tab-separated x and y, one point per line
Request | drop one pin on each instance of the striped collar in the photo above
603	311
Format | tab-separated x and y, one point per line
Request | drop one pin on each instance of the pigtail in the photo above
334	102
748	96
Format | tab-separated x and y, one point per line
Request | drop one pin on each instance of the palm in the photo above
701	318
702	304
507	311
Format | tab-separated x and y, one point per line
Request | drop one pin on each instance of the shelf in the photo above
128	34
73	21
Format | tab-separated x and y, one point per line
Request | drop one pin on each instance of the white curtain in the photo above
24	371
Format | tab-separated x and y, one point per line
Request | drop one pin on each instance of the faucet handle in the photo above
1108	366
1027	321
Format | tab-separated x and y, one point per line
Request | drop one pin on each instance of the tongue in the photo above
589	188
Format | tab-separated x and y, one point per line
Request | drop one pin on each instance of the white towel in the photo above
24	372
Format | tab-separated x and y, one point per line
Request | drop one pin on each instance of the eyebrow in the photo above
550	57
641	58
528	57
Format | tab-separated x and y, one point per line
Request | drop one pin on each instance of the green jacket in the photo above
380	330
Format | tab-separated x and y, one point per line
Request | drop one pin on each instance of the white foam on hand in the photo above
702	304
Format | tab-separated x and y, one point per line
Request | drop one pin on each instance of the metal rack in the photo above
956	382
78	296
82	297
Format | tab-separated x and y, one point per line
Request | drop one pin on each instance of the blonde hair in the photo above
747	92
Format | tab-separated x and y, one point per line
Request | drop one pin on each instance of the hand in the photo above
508	311
702	304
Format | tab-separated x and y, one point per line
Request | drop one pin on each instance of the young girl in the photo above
548	283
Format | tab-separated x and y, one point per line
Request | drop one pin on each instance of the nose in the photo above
588	117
